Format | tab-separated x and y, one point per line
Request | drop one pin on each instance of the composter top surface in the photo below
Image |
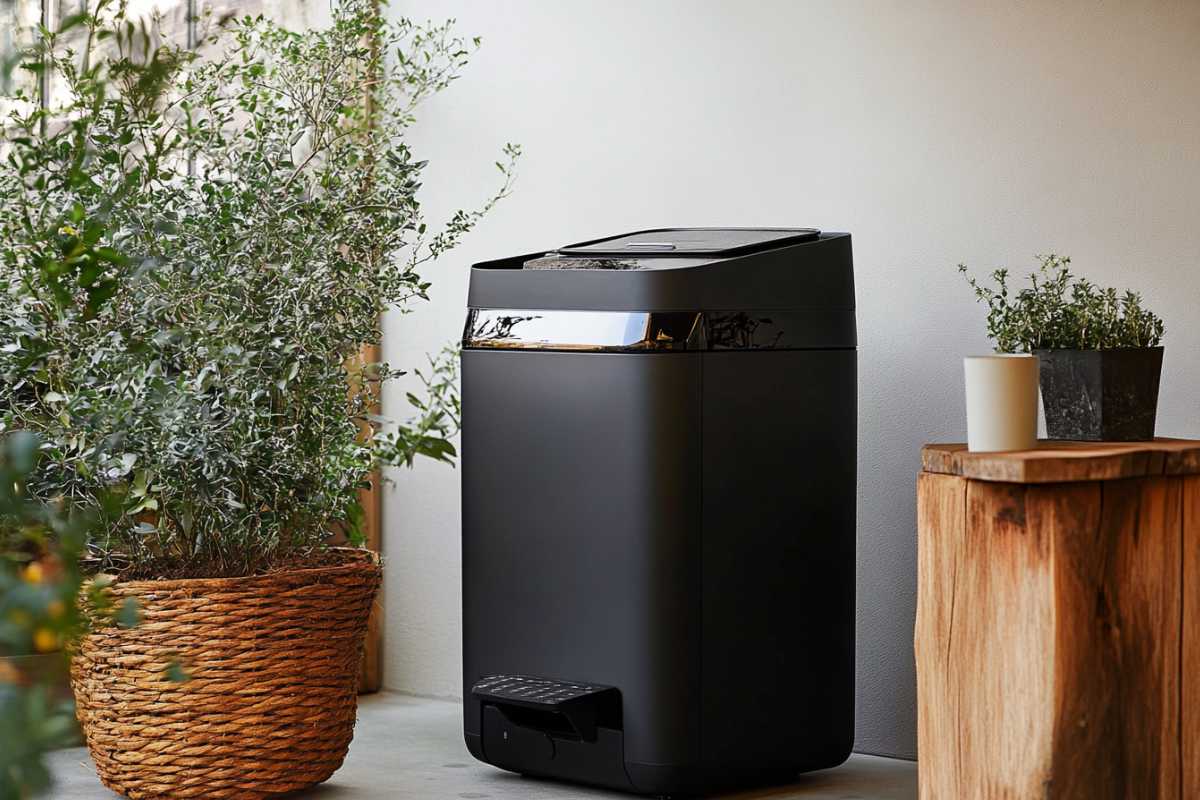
692	242
676	269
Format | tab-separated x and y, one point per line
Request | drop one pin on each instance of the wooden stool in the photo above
1058	622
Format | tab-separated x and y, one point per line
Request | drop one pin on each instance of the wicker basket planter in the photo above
270	703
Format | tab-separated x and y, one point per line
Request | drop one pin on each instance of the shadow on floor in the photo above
407	748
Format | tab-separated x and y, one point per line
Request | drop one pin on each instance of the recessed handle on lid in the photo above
649	246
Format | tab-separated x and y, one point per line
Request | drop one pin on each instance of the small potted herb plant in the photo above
194	252
1099	350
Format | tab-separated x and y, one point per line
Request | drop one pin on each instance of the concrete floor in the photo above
407	748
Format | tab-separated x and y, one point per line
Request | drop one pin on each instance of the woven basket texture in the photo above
270	701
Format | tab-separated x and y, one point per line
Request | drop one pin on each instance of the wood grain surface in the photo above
941	507
1057	650
371	500
1055	462
1117	649
1190	627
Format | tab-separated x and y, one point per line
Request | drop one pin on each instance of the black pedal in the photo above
583	705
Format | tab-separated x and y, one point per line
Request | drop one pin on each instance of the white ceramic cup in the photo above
1002	402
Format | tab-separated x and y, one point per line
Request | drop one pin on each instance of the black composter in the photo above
659	509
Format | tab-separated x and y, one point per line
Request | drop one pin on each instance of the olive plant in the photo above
194	251
1061	311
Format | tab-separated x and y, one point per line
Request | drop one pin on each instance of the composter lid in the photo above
692	242
678	269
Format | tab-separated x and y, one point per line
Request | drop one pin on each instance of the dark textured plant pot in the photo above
1101	395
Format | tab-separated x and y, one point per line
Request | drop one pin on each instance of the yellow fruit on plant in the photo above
34	573
45	640
55	609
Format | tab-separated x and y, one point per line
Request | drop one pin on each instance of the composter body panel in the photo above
777	559
581	537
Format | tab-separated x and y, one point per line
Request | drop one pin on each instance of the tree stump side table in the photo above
1058	622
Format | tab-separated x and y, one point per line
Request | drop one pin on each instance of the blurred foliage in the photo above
192	252
40	580
1059	310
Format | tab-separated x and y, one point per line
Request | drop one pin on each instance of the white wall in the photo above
935	132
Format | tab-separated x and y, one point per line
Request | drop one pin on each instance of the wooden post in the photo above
1057	644
1190	626
371	678
371	500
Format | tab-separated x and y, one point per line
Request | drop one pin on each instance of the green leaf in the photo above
73	21
147	504
110	255
175	672
92	233
129	614
89	273
100	293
